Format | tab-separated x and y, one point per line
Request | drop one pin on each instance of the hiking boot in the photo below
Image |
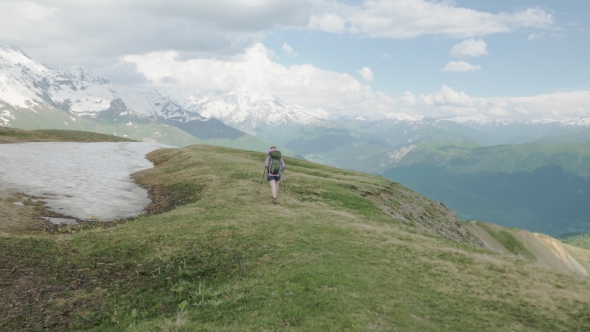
274	201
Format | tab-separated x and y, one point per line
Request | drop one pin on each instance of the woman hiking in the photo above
275	165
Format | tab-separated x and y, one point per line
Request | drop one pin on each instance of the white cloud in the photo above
460	66
499	111
67	32
329	22
469	48
62	33
255	72
535	36
386	56
366	73
340	93
288	50
450	103
408	99
402	19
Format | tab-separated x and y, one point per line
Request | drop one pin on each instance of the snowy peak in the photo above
577	121
477	120
482	121
14	58
27	84
401	117
80	74
247	111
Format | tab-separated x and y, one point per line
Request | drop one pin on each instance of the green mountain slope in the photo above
358	145
128	126
581	240
579	136
342	251
542	188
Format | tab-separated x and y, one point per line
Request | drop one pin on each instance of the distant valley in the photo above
531	175
542	188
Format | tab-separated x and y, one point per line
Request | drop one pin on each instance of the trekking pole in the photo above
284	185
261	180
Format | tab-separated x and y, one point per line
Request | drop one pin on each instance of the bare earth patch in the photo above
23	214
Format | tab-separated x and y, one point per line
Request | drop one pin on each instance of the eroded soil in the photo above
22	214
39	287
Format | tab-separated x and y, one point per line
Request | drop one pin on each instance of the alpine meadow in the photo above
294	165
341	251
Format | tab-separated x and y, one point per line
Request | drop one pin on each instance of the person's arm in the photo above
266	161
282	164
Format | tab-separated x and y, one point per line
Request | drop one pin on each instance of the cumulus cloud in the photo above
62	33
308	86
254	71
288	50
366	73
469	48
401	19
460	66
329	22
68	32
450	103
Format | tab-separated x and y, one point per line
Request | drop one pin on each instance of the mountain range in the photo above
474	165
34	96
31	91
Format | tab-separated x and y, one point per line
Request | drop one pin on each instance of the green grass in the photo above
325	258
10	135
581	240
509	242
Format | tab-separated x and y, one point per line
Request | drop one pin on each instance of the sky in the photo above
520	59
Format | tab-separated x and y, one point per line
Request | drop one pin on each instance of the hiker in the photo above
275	166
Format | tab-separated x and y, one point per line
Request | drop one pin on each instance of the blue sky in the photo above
520	59
559	60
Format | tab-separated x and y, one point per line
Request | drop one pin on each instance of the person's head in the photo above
273	147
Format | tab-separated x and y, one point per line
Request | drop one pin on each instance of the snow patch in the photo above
88	181
396	156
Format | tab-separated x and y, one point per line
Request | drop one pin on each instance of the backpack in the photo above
275	162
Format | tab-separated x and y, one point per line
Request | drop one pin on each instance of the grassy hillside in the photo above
342	251
542	188
581	240
12	135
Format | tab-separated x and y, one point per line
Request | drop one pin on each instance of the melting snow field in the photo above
82	180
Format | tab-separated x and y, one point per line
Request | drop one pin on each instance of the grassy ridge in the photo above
325	258
12	135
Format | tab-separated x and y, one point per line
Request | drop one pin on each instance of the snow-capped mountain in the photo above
26	84
482	121
250	111
364	142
